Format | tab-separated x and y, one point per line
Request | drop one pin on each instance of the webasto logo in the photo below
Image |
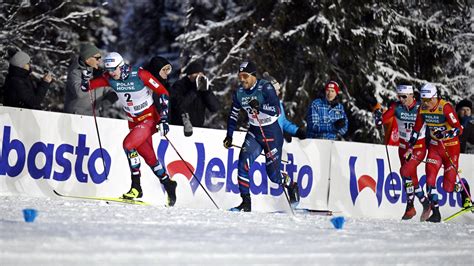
217	174
53	154
389	187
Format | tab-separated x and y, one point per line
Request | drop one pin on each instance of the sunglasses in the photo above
98	57
244	75
404	97
425	100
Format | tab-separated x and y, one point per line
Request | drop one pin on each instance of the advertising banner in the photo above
42	151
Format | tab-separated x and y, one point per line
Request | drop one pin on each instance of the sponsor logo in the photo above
389	187
217	174
42	158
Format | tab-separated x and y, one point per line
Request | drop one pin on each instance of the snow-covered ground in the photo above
79	232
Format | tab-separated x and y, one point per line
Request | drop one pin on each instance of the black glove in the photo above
378	117
340	123
86	75
439	134
301	133
287	137
413	139
254	104
163	127
228	142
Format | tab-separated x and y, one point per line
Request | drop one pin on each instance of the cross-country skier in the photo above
444	128
134	87
405	111
259	100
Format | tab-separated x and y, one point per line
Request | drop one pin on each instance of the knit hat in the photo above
20	59
88	50
463	103
194	67
332	85
248	67
156	64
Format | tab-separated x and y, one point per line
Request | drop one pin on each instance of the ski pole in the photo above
456	169
389	164
98	135
240	147
273	159
191	171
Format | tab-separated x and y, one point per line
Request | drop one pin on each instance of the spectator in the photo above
190	97
19	88
289	129
77	102
326	117
464	111
160	68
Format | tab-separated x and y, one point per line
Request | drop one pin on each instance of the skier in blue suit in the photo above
257	97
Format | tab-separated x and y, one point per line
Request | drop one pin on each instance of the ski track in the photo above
82	232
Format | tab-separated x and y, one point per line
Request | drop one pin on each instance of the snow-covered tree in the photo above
50	32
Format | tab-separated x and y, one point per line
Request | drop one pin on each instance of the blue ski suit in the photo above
269	111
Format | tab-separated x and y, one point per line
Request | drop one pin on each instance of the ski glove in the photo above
378	117
254	104
413	139
164	128
301	133
340	123
228	142
86	75
408	154
448	134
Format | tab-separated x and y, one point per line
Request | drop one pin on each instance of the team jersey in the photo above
135	93
405	118
441	118
269	110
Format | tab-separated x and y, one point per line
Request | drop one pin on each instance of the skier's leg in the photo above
434	161
134	139
250	151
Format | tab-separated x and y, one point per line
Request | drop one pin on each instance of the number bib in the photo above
134	96
406	121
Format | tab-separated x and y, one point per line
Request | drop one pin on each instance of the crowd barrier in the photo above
41	151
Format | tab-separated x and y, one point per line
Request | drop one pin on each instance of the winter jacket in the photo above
467	137
184	98
321	117
285	124
78	102
21	91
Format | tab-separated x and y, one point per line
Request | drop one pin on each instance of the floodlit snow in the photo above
79	232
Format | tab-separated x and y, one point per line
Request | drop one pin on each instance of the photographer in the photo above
19	88
189	98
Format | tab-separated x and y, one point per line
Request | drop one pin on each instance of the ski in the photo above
459	213
314	212
106	199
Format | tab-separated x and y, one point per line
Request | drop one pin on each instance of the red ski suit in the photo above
405	119
135	93
444	151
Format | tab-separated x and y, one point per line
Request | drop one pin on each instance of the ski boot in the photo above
426	209
409	211
170	187
294	194
436	216
133	193
245	206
